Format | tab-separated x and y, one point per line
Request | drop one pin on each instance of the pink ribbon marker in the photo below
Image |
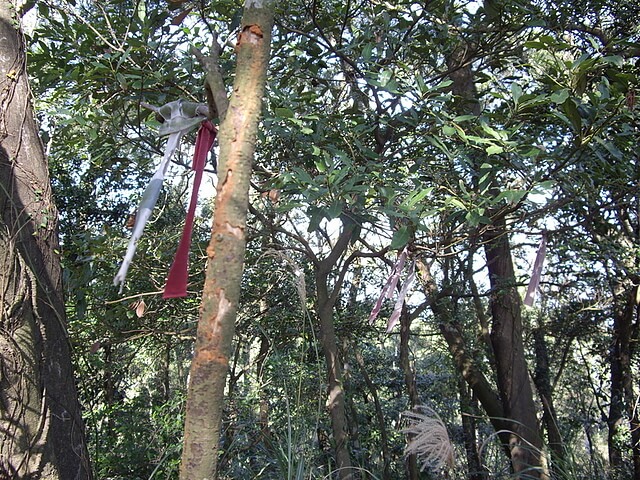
176	285
537	272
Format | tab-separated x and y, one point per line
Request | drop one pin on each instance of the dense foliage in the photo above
387	126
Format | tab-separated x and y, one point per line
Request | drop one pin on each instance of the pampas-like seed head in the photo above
428	439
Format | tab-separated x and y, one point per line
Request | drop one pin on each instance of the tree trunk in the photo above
516	394
623	400
413	471
542	380
513	380
326	300
325	304
335	391
468	417
43	432
263	414
466	366
221	293
382	424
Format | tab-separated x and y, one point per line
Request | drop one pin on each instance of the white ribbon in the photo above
177	123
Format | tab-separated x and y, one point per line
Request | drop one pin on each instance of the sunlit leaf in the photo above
284	113
400	238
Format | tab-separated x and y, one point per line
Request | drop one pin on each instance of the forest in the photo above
319	239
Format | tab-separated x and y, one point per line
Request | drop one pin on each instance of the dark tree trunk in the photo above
623	398
382	424
542	380
326	300
513	380
263	418
465	364
633	407
516	394
468	414
413	471
43	432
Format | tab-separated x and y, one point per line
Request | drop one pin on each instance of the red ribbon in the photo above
176	285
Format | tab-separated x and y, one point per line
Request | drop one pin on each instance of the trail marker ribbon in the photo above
537	272
179	118
176	285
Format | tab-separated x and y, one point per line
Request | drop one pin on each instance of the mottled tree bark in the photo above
542	380
513	379
469	434
623	399
413	472
465	364
226	250
40	420
326	299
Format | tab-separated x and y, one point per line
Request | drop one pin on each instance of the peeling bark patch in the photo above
332	399
209	352
235	231
250	34
223	307
227	178
255	29
239	123
207	357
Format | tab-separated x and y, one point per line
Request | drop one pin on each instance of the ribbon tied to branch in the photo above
179	118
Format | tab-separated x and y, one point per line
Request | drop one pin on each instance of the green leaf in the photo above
142	11
284	113
456	202
416	197
613	60
494	133
560	96
464	118
384	77
420	82
302	176
43	10
535	45
367	51
400	238
334	210
448	130
480	140
571	111
516	92
475	218
511	196
494	149
337	175
611	148
443	84
437	143
316	215
461	133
